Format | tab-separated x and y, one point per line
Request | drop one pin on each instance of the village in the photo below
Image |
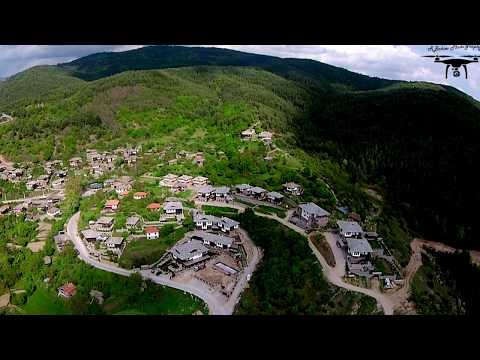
215	253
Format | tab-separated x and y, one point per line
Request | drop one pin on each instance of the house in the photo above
104	224
172	162
248	134
220	241
47	260
198	159
265	136
112	204
169	180
152	232
90	235
96	186
60	240
257	192
133	223
355	217
243	188
154	207
140	195
97	295
114	242
53	212
200	181
123	190
4	209
188	251
173	207
274	197
67	290
221	193
312	214
58	184
21	208
75	162
349	229
205	222
371	235
293	188
358	247
227	224
205	192
31	185
184	181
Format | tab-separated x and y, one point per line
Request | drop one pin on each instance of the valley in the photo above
115	168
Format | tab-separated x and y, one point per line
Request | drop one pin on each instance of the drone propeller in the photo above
471	56
437	56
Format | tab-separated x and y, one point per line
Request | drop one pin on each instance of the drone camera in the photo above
456	73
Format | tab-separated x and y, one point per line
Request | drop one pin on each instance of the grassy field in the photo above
45	302
219	211
143	252
271	210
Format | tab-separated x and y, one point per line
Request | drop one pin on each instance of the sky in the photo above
398	62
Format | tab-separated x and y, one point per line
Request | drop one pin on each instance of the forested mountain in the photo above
315	73
418	141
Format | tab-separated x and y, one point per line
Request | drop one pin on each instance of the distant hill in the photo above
312	72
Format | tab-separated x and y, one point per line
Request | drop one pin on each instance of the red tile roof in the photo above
154	206
69	289
111	203
140	194
151	230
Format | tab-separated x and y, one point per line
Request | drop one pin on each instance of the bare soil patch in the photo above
322	245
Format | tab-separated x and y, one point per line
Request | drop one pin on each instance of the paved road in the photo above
214	306
335	274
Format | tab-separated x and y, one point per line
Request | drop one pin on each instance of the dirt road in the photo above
335	274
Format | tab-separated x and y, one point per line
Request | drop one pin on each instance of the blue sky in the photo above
400	62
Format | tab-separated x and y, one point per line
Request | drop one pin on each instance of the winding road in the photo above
215	307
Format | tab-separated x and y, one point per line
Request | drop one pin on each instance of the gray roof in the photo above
314	209
257	190
115	240
227	222
173	205
90	234
359	245
243	187
275	195
202	217
105	220
217	239
222	190
207	189
133	220
60	238
349	226
186	250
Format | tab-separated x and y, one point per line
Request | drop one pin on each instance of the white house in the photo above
188	251
349	229
152	232
173	207
358	247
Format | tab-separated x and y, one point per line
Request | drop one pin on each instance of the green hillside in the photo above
311	72
36	85
416	143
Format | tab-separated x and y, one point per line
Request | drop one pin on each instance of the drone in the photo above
455	63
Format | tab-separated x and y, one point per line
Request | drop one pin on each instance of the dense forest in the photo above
421	145
289	279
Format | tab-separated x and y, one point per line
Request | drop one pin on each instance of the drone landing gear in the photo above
465	67
446	71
